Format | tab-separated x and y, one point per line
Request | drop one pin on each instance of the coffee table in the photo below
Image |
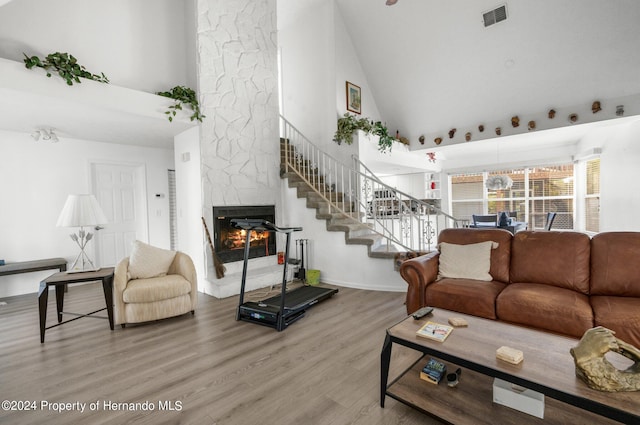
547	368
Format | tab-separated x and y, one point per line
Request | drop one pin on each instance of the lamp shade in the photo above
81	210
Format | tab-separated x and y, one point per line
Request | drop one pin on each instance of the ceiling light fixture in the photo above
45	134
391	2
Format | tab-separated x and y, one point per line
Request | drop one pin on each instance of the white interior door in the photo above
120	190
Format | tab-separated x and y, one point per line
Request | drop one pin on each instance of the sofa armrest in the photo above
183	265
120	280
418	273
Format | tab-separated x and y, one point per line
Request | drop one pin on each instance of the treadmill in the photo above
281	310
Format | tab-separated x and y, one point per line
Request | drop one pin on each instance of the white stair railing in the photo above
356	194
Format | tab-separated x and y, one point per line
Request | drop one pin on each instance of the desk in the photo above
60	280
514	227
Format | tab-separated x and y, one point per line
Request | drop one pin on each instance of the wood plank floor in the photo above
323	369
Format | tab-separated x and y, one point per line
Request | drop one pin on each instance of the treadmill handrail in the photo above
261	224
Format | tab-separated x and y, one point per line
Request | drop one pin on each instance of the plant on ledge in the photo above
182	95
66	65
349	124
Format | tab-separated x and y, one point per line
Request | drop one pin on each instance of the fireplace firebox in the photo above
229	242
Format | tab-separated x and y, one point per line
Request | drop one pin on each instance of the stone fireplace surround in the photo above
239	139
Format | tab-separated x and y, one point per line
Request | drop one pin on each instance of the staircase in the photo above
355	231
354	201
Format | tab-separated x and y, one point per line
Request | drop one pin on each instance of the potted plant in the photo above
66	65
349	124
182	95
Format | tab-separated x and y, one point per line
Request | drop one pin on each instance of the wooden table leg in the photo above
43	298
107	288
60	300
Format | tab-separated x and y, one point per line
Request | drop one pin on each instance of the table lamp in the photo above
81	211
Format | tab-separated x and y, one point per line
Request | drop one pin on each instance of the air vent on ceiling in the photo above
494	16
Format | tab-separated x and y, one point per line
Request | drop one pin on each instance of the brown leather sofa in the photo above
563	282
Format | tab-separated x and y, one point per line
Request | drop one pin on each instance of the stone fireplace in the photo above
229	242
239	138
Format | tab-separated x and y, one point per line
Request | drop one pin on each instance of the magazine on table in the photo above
435	331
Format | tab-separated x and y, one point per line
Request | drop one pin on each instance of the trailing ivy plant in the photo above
349	124
182	95
66	65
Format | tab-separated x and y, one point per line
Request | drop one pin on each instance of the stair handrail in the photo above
329	191
402	220
458	222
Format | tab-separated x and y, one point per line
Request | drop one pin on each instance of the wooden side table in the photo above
60	280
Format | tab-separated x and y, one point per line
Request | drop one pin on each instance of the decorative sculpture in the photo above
515	121
595	107
596	371
451	133
552	114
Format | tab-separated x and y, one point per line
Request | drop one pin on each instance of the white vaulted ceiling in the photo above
433	66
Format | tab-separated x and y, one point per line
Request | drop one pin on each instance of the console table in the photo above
60	280
547	368
33	266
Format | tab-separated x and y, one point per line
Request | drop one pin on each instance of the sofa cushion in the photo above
471	261
560	259
615	264
148	261
500	256
620	314
467	296
545	307
155	289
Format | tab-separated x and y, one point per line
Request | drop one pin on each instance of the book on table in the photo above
433	371
435	331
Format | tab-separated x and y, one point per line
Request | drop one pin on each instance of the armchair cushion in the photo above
148	261
155	289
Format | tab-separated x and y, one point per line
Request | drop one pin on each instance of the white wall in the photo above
620	172
318	58
339	263
146	45
189	199
36	179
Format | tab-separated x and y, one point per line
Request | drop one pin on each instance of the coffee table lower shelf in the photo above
471	402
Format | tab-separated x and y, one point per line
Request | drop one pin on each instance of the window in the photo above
592	196
535	192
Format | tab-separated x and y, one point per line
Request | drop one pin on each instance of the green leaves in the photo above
66	65
349	124
182	95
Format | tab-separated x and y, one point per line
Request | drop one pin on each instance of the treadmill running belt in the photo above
301	297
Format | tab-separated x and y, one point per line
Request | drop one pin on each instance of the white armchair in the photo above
166	293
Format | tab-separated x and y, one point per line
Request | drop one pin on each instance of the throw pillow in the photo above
471	261
148	261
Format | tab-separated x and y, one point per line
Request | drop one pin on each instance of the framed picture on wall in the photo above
354	98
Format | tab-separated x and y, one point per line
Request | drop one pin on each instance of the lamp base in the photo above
83	271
